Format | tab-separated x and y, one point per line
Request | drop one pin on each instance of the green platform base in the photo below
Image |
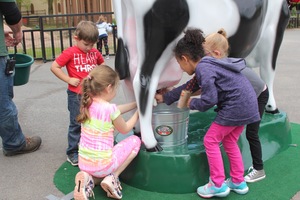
183	168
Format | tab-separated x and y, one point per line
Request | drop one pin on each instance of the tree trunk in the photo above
50	7
50	11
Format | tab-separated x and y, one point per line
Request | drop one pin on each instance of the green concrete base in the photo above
183	168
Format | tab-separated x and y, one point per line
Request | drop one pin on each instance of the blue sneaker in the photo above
210	190
241	188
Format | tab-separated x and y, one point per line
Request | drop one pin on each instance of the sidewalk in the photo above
42	106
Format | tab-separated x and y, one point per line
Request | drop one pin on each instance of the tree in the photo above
50	7
23	3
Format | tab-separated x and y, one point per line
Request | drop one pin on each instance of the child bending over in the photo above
223	85
213	48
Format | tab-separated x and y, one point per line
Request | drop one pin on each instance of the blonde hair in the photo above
101	19
94	84
87	31
217	41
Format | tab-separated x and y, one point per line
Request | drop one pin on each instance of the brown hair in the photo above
191	44
87	31
101	19
217	41
94	84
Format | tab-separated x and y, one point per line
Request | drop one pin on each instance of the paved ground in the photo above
43	111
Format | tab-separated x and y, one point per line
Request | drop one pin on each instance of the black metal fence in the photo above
45	37
294	21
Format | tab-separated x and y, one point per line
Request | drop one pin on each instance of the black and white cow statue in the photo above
148	30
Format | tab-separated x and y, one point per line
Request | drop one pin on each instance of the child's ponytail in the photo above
86	101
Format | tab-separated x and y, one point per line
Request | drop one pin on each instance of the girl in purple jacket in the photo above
255	172
222	85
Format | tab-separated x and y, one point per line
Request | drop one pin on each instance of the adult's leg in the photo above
252	133
12	136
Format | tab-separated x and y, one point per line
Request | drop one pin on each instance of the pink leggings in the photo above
229	136
121	151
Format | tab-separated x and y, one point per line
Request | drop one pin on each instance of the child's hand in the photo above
74	81
164	90
159	98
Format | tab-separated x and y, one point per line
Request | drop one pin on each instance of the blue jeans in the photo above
74	127
11	133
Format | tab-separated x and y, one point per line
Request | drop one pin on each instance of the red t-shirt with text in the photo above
78	63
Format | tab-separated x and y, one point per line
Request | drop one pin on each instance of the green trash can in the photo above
22	68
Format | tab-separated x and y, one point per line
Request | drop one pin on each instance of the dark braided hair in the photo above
191	45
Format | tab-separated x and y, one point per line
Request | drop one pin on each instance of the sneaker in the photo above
254	175
84	186
107	57
241	188
32	144
73	159
210	190
112	187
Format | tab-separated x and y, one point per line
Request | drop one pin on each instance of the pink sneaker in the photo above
84	186
112	187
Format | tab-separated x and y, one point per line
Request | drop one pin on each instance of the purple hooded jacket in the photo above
223	85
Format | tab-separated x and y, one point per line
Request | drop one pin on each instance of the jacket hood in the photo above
232	64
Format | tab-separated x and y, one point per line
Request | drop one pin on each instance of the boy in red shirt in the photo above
79	60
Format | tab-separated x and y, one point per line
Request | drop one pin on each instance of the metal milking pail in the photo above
170	124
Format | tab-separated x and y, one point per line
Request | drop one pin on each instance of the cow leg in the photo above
163	23
265	53
122	55
281	26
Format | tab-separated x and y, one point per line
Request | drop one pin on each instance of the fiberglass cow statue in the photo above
148	31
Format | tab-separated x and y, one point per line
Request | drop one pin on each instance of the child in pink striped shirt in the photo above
98	156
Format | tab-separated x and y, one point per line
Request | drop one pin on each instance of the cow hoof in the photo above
157	148
272	111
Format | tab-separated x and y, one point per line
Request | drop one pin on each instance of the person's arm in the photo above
124	127
209	95
13	19
57	70
126	107
174	95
